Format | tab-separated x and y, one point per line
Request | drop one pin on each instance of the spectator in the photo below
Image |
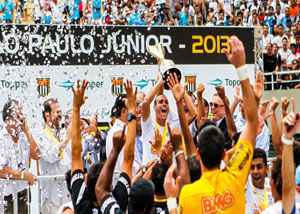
74	11
134	17
270	66
270	19
286	18
284	53
17	146
293	9
183	16
54	160
267	37
279	13
279	37
97	5
6	8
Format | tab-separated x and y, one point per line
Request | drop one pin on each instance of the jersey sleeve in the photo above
239	163
122	190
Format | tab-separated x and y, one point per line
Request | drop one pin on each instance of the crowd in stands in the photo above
162	161
152	12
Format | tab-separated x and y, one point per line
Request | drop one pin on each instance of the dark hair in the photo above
221	11
85	120
211	142
296	151
158	176
191	93
236	137
155	100
202	126
284	38
194	168
9	109
68	180
92	178
276	174
205	103
259	153
47	106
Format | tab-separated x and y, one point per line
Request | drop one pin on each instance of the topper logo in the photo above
217	203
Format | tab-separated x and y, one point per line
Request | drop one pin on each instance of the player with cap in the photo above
122	117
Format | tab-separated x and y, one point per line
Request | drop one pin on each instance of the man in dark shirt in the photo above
270	66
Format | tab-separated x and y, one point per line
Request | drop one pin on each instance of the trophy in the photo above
167	66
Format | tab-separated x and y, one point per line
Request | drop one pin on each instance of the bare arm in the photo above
191	115
178	93
228	116
288	177
34	149
237	58
200	108
131	132
148	100
236	99
276	133
105	178
8	173
182	167
78	101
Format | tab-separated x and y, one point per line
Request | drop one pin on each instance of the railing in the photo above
281	73
35	207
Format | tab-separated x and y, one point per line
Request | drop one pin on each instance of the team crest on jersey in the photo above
191	80
43	87
117	86
217	203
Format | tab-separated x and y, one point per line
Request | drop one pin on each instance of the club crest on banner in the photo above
117	86
191	80
43	87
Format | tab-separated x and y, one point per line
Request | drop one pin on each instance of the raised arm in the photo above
276	132
290	125
200	107
228	116
182	167
237	58
105	178
236	99
131	132
78	101
178	93
149	98
34	149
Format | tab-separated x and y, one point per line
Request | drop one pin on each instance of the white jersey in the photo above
277	208
253	205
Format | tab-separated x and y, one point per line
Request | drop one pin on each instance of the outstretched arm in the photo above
228	116
236	99
237	58
276	132
105	178
290	125
178	93
200	107
78	101
131	132
149	98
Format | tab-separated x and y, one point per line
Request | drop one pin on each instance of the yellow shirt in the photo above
220	191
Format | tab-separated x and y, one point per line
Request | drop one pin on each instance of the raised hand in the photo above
79	98
221	92
262	110
237	55
284	105
200	90
259	86
274	104
177	90
157	142
176	138
93	123
171	189
131	96
119	139
290	123
237	94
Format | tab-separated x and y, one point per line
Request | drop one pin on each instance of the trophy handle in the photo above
157	50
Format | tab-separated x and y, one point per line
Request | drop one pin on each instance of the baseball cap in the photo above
142	195
242	7
297	177
119	103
